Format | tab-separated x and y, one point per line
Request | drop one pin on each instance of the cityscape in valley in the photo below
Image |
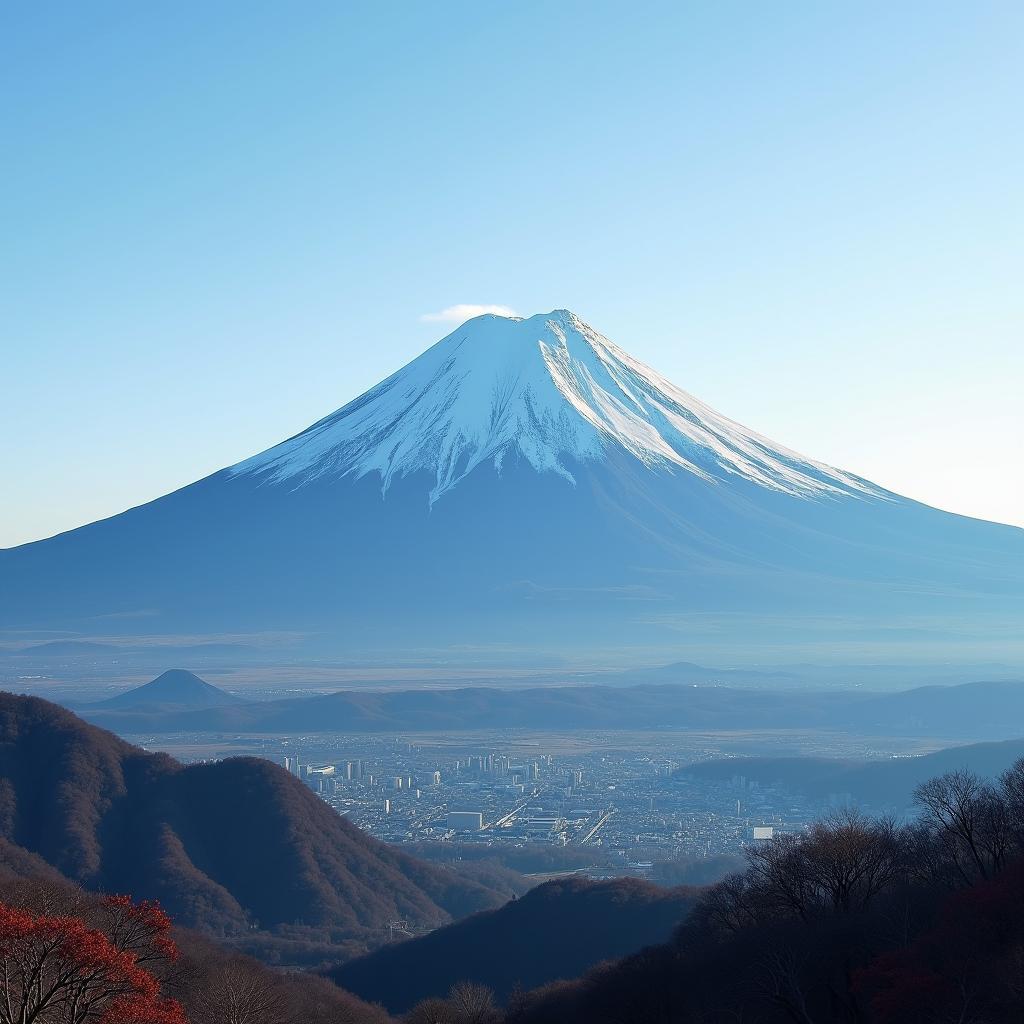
371	655
624	807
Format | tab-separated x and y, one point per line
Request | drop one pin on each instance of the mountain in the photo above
558	930
526	485
173	689
229	847
987	710
885	784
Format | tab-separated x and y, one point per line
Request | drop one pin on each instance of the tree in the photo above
473	1004
431	1011
58	970
778	877
238	992
467	1003
730	906
970	819
842	864
849	859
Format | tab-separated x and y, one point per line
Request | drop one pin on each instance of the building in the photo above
465	821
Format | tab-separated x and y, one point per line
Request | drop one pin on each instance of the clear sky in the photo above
222	221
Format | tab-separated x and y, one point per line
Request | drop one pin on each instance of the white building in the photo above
466	821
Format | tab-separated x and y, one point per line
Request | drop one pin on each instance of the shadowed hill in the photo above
228	847
854	920
888	783
557	930
174	688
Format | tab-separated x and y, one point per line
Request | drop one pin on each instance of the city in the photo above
602	812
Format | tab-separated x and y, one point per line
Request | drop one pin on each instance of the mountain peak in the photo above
176	687
548	390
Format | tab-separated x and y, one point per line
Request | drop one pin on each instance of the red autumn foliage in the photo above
58	970
968	963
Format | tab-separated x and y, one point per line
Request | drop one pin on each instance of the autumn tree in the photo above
59	970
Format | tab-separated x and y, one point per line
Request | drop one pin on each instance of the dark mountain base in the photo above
524	562
557	930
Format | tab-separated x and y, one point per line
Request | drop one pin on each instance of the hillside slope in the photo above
558	930
228	847
879	784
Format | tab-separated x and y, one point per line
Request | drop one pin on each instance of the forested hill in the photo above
557	930
228	847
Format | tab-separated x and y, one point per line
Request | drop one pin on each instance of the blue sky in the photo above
223	221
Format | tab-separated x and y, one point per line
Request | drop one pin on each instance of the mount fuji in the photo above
527	485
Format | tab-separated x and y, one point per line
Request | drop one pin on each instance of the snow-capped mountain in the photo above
525	485
550	390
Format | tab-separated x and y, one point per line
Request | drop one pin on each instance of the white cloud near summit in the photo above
464	311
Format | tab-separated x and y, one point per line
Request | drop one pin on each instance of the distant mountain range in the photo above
228	847
879	784
988	710
526	485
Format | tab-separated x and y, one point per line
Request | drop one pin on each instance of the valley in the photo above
649	804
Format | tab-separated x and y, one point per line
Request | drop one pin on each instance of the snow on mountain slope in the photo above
549	389
527	486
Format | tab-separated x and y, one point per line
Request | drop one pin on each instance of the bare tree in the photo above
1011	788
968	817
730	906
431	1011
467	1003
849	859
473	1004
238	993
778	876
